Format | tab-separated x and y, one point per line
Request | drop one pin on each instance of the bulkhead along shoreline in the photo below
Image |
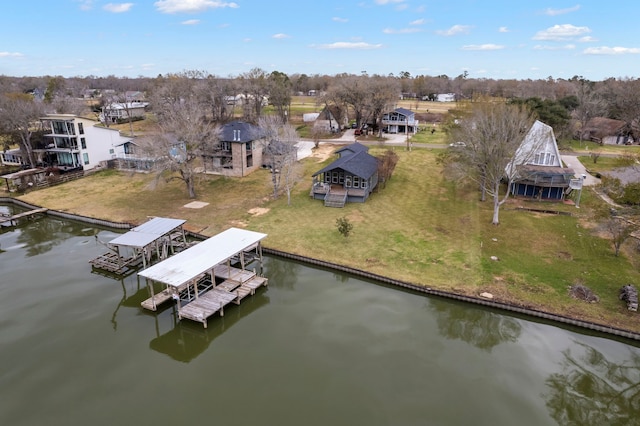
516	309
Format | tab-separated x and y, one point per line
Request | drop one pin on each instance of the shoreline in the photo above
522	310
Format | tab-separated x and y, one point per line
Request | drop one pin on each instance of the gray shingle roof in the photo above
354	159
239	131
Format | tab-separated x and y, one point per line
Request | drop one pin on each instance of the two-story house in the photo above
72	142
239	151
400	120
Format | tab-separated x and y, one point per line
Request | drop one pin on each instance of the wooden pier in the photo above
156	239
201	279
16	218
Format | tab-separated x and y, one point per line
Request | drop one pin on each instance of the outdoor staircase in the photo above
333	199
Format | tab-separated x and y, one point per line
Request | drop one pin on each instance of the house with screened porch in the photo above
352	177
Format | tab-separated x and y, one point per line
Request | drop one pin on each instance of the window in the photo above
347	181
81	128
225	146
544	158
334	177
85	158
327	177
83	142
111	151
356	182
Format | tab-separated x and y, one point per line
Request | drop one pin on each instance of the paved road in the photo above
572	162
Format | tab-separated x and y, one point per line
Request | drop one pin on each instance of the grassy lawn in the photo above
419	228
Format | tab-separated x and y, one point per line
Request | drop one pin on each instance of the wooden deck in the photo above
233	274
213	301
156	300
207	304
115	264
13	220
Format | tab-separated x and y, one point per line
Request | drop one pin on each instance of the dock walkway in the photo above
13	220
201	279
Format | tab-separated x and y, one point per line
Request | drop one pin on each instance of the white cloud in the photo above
417	22
85	4
561	32
503	30
383	2
191	6
605	50
341	20
587	39
555	12
547	47
401	31
117	7
10	54
190	22
487	46
280	36
348	45
456	29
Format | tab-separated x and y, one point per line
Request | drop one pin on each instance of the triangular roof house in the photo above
536	170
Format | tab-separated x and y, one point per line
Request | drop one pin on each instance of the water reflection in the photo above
283	275
480	328
186	340
348	354
594	390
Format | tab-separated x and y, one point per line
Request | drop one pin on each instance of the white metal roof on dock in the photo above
143	235
198	259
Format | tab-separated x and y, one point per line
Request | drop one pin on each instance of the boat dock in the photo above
16	218
202	280
155	239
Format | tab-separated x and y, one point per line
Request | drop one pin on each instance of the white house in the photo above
446	97
400	120
73	142
536	170
123	110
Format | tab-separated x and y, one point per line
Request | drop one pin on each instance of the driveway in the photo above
572	162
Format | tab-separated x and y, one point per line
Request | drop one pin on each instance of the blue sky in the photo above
487	39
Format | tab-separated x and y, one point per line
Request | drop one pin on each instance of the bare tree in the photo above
619	230
19	118
185	135
591	104
492	134
281	153
255	89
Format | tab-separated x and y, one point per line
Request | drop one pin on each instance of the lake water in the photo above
315	348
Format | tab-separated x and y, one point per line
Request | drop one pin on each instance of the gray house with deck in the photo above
351	178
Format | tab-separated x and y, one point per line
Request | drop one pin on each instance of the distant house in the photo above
606	131
71	143
117	111
350	178
446	97
400	120
239	151
537	171
330	120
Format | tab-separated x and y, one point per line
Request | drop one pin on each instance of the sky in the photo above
494	39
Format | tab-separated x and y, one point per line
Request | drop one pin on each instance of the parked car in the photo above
458	145
357	132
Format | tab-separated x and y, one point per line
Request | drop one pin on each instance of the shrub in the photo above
344	226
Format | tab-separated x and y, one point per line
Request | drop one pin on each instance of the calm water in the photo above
315	348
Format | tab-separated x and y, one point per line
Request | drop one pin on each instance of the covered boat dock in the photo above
157	237
202	280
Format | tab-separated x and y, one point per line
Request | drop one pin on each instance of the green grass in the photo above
420	228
